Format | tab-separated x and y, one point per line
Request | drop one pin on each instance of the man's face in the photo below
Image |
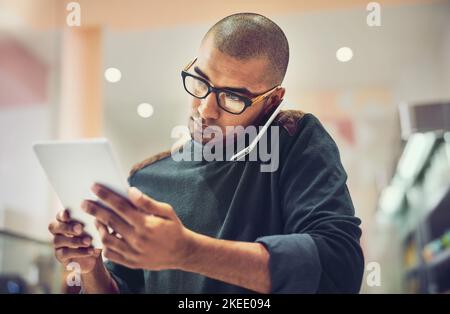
224	71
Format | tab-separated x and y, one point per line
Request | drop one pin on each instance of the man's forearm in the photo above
99	280
243	264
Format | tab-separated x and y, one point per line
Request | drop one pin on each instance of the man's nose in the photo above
208	108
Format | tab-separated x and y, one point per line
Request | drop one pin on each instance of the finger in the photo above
63	216
73	228
119	204
153	221
64	254
114	243
97	252
73	242
116	257
114	233
106	217
150	205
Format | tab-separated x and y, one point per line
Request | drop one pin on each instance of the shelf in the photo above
433	215
440	259
413	271
438	218
444	200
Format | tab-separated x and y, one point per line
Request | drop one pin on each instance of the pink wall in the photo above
23	78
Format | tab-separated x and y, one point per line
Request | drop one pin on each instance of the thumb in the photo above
148	204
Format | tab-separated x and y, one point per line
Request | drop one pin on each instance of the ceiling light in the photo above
145	110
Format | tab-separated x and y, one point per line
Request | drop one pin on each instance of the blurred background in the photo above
379	83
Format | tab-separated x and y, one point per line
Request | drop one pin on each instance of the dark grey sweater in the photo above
302	213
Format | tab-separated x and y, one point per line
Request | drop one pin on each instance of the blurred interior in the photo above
53	86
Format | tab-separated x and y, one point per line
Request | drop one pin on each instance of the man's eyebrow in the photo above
200	72
241	90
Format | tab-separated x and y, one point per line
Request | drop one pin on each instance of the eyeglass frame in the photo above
247	101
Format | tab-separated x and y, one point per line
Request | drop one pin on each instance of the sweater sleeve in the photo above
319	250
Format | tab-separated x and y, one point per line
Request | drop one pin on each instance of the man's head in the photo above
246	53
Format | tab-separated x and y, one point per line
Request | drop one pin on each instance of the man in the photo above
194	226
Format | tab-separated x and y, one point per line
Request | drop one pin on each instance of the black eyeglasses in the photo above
228	100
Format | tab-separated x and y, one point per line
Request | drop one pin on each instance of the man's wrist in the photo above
96	269
99	280
191	251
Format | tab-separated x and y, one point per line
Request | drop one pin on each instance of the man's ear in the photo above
275	99
282	90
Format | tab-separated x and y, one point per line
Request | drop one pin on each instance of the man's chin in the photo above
199	135
201	139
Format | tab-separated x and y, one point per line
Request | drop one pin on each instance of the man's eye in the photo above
232	97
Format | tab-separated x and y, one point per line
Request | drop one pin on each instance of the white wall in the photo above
24	193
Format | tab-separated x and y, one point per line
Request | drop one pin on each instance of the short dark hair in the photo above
249	35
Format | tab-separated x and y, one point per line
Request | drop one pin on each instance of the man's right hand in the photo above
72	244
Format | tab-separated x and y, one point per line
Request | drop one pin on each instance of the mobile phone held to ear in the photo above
255	141
72	167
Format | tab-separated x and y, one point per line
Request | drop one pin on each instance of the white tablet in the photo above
72	167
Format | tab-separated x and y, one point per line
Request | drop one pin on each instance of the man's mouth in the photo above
198	129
